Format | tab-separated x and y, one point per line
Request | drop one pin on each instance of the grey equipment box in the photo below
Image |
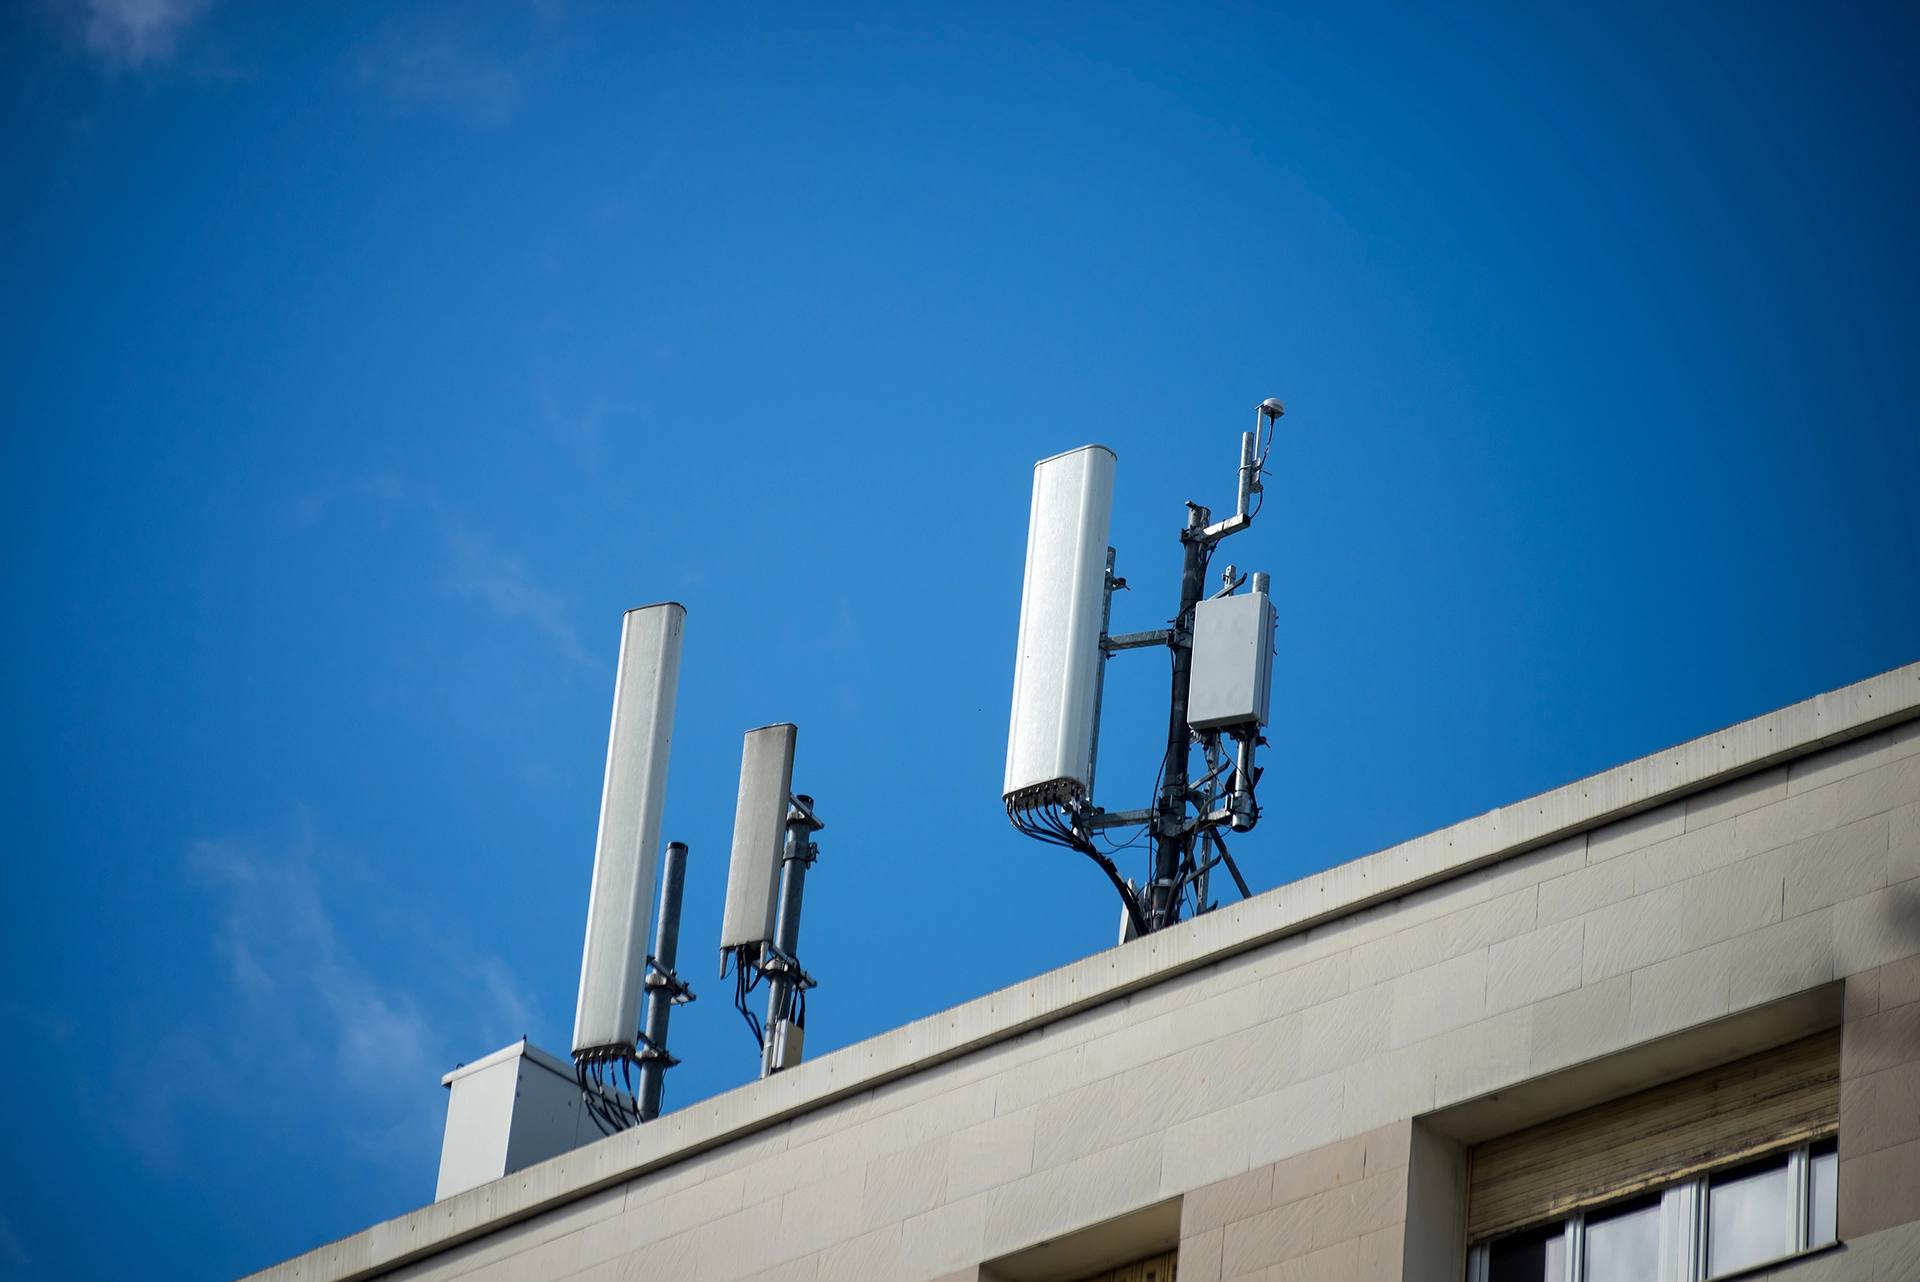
1232	662
516	1107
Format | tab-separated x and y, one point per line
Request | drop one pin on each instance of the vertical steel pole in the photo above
1100	678
786	929
659	993
1247	469
1171	808
666	949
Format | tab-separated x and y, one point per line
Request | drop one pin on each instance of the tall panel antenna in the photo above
760	936
1220	650
759	833
613	966
1056	673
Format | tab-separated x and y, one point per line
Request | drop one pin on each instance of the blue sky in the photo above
363	363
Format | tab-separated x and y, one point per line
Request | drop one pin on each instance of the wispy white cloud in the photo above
583	433
309	1019
156	1081
418	64
505	583
282	949
477	568
386	487
130	34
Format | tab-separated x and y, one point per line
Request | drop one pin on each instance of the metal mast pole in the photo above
782	965
662	984
1100	679
1170	811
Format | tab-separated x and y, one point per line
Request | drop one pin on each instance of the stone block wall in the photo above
1273	1089
1338	1212
1880	1100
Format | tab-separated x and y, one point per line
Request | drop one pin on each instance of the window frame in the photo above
1685	1218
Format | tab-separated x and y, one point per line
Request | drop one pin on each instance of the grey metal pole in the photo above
666	950
1247	469
1170	811
1244	815
783	983
1100	676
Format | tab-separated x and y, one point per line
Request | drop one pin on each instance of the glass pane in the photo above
1749	1218
1625	1246
1823	1181
1540	1256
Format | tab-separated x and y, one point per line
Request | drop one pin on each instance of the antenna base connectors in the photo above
607	1089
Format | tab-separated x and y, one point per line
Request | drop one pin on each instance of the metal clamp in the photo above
659	977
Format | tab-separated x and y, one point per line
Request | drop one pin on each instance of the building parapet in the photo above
1651	781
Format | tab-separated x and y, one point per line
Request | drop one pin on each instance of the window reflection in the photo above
1750	1217
1624	1245
1540	1256
1823	1179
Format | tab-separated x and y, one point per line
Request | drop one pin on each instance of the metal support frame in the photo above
1185	847
787	982
665	989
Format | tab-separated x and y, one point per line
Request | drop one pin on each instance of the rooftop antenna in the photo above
1222	656
773	848
616	969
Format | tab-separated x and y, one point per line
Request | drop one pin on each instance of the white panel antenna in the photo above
773	849
1056	674
759	834
613	967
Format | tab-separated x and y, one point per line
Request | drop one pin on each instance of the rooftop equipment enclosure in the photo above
1232	661
1056	672
515	1108
759	834
625	857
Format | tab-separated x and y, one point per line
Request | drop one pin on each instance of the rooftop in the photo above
1651	781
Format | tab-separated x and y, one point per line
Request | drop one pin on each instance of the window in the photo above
1697	1178
1622	1244
1710	1226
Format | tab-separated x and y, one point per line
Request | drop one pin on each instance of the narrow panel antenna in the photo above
759	833
613	966
1056	673
760	936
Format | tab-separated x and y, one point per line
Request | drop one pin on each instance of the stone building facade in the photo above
1642	1004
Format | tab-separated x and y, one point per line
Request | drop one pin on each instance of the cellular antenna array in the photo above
618	973
1222	658
1221	648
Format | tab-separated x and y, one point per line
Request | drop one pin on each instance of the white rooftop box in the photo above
515	1108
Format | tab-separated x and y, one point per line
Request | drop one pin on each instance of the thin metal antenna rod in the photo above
1170	810
664	989
782	961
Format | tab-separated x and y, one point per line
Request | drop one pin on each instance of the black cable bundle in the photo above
746	978
613	1109
1048	819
